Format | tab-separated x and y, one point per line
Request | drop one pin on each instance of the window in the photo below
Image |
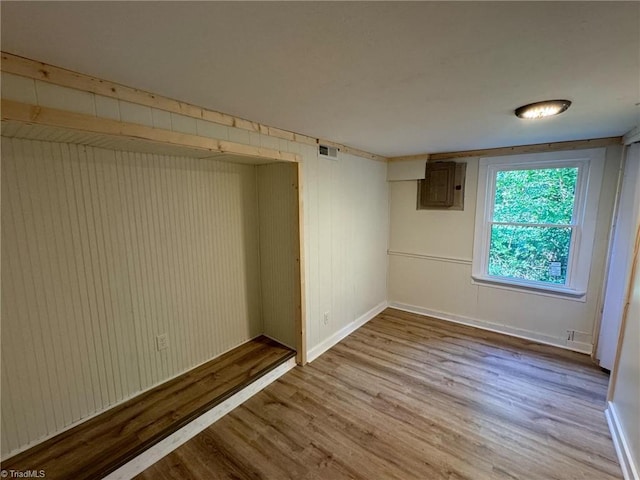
535	220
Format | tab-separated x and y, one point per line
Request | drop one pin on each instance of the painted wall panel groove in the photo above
103	250
278	246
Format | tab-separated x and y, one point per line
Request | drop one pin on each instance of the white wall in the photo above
278	213
101	252
430	255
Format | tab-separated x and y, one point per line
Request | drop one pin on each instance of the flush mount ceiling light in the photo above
542	109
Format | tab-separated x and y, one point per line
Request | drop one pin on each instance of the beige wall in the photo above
430	255
101	252
346	215
278	204
345	245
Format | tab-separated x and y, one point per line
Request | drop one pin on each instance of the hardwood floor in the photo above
104	443
410	397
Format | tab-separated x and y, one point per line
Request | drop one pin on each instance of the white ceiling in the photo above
392	78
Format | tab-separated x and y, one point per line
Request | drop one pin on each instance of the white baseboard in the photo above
581	347
173	441
322	347
496	327
629	468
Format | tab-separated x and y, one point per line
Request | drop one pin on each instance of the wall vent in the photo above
325	151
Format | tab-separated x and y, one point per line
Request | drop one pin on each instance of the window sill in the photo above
533	288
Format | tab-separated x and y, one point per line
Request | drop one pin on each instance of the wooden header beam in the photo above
66	78
52	117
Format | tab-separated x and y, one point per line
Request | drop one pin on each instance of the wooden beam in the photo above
535	148
59	76
301	315
26	67
33	114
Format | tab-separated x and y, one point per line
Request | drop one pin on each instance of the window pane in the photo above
535	196
539	254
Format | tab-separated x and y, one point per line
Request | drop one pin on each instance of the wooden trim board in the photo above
301	315
33	69
33	114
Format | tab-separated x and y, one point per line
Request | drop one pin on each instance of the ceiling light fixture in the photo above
542	109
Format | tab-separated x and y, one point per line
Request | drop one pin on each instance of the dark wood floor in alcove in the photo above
102	444
409	397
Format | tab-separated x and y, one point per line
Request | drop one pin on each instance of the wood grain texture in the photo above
100	445
33	114
301	315
410	397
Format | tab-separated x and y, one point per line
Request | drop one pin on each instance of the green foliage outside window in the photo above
530	234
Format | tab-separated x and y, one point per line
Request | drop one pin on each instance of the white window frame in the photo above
591	168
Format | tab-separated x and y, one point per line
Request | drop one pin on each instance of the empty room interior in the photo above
320	240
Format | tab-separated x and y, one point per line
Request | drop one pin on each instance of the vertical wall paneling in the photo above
347	241
367	217
104	250
278	249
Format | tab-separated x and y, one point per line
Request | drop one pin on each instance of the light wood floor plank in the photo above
410	397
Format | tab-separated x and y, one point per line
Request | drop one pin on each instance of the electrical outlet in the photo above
326	318
162	342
